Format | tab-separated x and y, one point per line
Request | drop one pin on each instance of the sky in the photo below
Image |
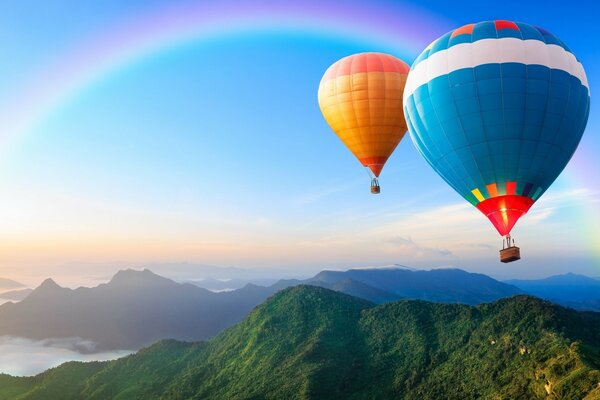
148	132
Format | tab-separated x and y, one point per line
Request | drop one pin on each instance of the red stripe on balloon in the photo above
375	164
366	62
511	188
463	30
503	24
504	211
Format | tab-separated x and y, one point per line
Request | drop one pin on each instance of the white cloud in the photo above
25	357
408	245
538	215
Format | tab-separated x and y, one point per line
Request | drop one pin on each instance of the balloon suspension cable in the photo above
506	241
509	252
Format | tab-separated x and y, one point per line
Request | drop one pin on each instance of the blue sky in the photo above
213	150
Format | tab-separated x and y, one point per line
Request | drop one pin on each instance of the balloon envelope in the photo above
497	109
360	97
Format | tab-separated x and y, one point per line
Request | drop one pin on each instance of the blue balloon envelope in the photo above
497	108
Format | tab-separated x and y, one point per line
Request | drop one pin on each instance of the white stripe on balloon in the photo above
493	51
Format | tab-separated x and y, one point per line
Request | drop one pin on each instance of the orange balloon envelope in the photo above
360	97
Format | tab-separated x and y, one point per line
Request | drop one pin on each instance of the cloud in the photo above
441	226
459	230
569	195
25	357
408	245
538	215
486	246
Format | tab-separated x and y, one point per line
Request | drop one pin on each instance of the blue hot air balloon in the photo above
497	108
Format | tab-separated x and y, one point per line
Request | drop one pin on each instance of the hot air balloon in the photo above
360	97
497	109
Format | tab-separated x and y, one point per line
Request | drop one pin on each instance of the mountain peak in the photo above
132	277
47	287
307	303
49	283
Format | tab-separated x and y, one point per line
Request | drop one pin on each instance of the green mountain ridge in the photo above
308	342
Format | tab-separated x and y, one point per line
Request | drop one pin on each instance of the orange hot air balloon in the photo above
360	97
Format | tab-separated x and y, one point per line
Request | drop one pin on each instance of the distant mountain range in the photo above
9	284
137	308
16	295
218	285
191	272
313	343
438	285
571	290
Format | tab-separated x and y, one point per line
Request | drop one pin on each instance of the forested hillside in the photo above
313	343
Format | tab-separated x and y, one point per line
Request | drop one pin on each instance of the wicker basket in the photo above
510	254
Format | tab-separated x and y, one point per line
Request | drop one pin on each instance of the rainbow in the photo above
579	173
400	27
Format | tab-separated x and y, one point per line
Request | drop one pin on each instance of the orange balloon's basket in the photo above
509	252
375	188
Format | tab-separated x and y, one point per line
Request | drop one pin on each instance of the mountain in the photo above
572	290
343	285
196	273
312	343
8	284
361	290
438	285
134	309
137	308
391	266
16	295
217	285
